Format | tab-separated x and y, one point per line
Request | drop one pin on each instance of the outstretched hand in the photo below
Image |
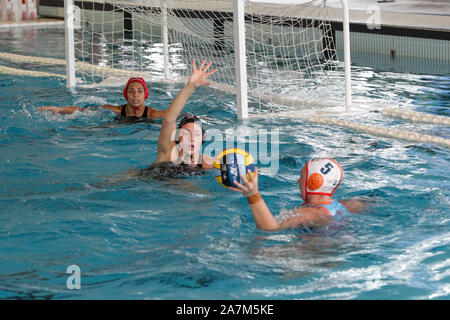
198	76
51	108
250	186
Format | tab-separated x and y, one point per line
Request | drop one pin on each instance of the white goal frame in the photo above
240	52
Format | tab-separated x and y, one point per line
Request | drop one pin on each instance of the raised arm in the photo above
198	78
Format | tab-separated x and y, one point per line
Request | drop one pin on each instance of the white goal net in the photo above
290	46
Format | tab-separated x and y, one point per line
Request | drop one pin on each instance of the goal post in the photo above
70	44
347	60
165	38
240	59
272	55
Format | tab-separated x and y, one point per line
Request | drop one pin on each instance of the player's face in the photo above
136	94
191	138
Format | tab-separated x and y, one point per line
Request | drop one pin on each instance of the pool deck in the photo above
39	22
431	14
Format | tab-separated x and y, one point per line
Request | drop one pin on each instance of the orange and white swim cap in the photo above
323	176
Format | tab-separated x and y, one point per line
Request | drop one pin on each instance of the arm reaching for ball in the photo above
263	217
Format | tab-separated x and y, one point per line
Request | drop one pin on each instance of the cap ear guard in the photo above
315	181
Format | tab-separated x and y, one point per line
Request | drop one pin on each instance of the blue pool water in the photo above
68	197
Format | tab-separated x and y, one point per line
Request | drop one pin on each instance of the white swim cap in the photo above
323	176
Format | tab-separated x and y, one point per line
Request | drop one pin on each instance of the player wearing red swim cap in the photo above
135	92
318	181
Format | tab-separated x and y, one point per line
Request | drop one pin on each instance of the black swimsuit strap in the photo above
144	115
123	113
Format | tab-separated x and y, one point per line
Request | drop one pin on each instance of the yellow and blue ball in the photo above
230	164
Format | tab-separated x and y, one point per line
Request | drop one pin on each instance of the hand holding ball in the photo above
230	164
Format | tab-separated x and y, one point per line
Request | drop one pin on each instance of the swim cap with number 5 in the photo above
323	176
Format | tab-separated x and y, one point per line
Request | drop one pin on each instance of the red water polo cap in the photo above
141	81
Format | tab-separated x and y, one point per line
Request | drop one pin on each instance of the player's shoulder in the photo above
113	107
312	212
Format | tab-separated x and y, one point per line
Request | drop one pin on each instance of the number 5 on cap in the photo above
326	168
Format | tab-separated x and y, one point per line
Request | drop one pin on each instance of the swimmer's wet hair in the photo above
188	119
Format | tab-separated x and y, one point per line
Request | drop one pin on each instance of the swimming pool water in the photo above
68	197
